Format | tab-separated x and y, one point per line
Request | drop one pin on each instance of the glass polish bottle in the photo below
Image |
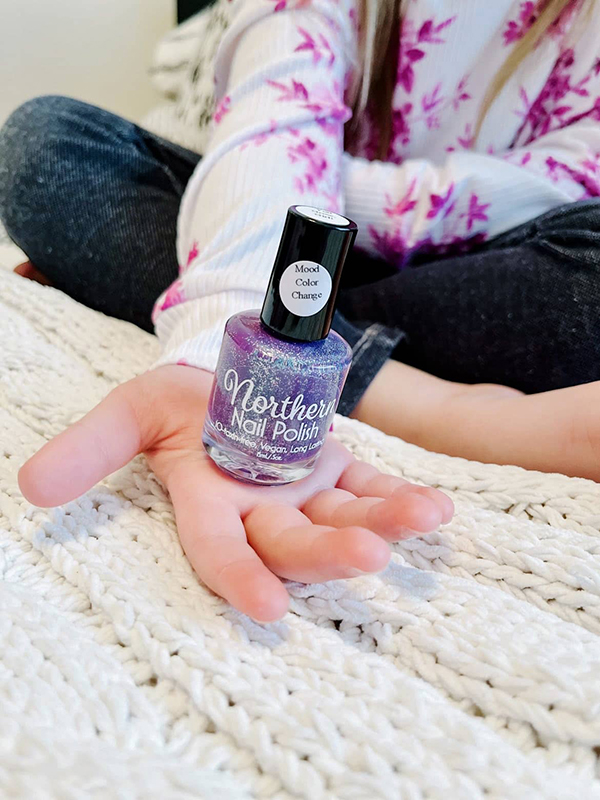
281	370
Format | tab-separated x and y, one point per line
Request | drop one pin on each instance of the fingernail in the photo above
407	533
353	572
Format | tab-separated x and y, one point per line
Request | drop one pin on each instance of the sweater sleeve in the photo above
281	73
470	197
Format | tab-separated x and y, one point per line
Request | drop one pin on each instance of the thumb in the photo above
103	441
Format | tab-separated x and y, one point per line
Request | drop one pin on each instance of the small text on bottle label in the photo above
321	215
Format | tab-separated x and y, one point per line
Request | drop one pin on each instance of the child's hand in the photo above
238	537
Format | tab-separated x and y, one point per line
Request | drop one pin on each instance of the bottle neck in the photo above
284	338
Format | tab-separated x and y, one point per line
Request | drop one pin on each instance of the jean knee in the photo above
24	141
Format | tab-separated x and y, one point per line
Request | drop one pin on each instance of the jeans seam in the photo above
362	345
576	256
153	149
379	342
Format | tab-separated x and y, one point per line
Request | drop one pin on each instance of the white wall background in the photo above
95	50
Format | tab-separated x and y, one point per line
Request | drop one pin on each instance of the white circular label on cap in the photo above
304	288
320	215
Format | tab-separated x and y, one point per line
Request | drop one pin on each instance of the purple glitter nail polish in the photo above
281	370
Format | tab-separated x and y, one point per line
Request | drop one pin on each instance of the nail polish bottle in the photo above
281	370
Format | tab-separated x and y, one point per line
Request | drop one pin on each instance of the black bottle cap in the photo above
302	291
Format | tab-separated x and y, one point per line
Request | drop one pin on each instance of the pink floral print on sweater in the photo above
285	72
517	28
528	14
559	103
319	47
172	297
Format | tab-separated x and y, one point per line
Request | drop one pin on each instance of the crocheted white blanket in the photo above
470	669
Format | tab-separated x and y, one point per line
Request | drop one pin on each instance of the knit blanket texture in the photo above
468	669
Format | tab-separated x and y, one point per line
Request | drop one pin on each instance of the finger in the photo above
214	540
332	462
103	441
397	517
364	480
292	547
442	500
27	270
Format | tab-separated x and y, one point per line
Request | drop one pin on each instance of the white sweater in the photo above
282	74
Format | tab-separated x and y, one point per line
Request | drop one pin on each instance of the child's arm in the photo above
278	140
471	197
239	538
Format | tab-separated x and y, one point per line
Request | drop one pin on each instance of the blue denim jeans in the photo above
93	200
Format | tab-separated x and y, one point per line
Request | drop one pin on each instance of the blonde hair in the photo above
380	25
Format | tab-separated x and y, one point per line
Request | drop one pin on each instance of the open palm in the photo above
240	539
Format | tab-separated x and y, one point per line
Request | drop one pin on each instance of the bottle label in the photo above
304	288
288	428
320	215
